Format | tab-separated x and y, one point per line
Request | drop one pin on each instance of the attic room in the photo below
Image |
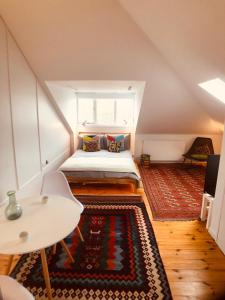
112	149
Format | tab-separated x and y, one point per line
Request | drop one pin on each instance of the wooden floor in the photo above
194	264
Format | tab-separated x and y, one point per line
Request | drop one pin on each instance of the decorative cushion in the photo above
199	156
119	139
103	142
114	146
91	143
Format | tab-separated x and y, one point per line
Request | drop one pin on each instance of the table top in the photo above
46	224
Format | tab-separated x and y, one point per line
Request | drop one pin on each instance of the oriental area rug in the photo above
174	191
119	259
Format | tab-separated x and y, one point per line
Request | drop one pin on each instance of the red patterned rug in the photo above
174	191
119	259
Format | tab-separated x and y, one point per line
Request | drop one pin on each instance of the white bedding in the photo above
100	161
103	153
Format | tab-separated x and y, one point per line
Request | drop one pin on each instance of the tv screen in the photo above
211	174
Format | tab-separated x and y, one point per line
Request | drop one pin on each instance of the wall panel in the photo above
24	113
54	138
30	127
7	167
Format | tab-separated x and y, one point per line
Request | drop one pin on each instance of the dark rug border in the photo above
114	199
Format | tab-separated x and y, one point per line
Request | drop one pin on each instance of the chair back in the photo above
55	183
12	290
201	145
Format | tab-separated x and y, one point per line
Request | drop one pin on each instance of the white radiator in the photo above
164	150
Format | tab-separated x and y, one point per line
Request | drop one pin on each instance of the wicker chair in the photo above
199	150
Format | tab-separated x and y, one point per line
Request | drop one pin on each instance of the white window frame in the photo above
114	96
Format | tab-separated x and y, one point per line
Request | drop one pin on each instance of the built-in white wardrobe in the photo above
33	138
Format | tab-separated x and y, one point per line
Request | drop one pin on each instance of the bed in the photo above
102	167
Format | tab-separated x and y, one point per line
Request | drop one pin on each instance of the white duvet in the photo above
100	161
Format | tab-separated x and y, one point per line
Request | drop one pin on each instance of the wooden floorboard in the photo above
194	264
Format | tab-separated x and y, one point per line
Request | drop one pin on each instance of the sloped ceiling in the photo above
191	37
108	40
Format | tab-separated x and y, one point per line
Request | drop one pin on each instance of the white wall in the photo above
7	163
24	115
169	147
221	232
98	40
31	131
66	100
54	139
217	224
190	36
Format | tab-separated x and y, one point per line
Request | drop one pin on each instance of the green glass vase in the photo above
14	210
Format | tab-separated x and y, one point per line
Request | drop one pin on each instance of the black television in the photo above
211	174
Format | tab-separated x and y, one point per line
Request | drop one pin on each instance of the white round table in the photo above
46	224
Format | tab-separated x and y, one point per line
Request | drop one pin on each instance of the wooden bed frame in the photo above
112	180
85	181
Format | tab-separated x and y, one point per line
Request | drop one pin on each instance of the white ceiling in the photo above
171	45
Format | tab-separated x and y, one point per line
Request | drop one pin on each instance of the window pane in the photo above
85	110
105	111
124	111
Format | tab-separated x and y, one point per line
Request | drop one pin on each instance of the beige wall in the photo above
31	131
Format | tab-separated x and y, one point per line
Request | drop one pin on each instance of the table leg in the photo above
80	234
9	267
54	249
46	274
63	244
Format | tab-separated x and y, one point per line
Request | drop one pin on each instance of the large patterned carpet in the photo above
118	260
174	191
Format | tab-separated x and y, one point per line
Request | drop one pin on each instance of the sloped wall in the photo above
31	131
98	40
66	100
190	36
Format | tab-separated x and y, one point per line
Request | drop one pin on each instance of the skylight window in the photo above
215	87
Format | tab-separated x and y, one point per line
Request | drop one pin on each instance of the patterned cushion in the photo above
114	146
119	139
103	142
91	143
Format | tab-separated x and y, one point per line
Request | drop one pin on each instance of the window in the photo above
85	110
105	109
